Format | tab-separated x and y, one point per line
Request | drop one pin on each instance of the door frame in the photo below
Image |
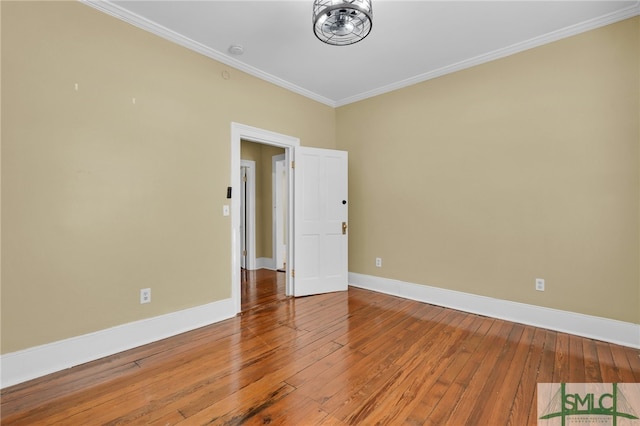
250	210
276	193
289	143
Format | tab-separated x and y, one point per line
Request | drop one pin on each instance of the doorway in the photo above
262	221
241	132
262	214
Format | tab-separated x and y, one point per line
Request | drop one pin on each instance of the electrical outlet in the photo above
378	262
539	284
145	295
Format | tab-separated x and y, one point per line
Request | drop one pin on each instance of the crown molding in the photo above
572	30
116	11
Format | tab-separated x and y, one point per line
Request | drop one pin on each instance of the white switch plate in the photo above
225	210
539	284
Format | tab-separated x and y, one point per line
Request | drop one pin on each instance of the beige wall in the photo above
102	197
262	155
479	181
522	168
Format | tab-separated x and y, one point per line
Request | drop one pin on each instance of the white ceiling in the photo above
411	41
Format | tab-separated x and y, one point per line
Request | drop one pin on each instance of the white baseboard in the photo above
608	330
265	263
27	364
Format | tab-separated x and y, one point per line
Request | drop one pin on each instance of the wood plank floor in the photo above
356	357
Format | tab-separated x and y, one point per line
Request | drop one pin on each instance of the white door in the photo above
320	221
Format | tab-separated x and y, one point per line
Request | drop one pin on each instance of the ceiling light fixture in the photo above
342	22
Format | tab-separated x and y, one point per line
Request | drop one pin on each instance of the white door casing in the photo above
241	132
243	217
279	202
248	214
320	221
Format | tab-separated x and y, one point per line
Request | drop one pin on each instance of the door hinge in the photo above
293	273
244	252
293	164
244	178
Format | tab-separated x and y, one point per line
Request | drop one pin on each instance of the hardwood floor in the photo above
356	357
261	288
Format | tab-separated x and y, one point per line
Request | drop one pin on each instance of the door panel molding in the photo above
320	221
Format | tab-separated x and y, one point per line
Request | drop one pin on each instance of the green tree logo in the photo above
601	402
